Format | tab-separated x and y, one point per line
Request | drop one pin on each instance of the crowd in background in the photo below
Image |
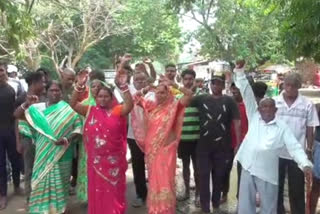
71	137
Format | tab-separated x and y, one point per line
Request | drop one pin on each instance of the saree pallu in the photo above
82	179
105	141
162	134
52	166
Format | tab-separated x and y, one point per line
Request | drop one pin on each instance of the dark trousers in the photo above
214	162
296	187
239	169
8	147
29	150
139	170
187	153
74	169
226	185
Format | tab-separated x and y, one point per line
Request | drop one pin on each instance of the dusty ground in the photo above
16	204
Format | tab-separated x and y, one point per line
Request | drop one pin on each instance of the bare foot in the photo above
3	202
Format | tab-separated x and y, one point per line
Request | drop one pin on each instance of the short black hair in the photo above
259	89
188	71
44	71
128	68
97	75
53	82
33	77
170	65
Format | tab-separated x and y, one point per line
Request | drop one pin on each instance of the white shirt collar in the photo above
295	103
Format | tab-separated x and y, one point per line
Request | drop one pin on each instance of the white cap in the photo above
12	68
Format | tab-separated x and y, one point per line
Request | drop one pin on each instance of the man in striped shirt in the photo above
189	138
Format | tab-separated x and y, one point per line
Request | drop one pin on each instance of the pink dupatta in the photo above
158	134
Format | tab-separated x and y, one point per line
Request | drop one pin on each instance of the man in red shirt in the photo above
244	128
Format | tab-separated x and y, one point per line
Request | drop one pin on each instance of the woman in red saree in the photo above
104	136
158	134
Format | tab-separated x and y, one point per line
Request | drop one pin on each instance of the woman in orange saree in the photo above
158	134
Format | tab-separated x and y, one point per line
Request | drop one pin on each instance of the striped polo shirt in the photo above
191	123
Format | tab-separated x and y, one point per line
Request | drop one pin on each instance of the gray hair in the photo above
294	78
267	100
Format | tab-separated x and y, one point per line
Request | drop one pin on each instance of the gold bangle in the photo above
78	90
124	91
23	106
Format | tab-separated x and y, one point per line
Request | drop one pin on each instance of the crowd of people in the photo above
71	137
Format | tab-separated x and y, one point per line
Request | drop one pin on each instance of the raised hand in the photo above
62	141
147	60
126	59
31	99
82	77
240	63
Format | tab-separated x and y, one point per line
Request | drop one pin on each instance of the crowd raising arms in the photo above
157	116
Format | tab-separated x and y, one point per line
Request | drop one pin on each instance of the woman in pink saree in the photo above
105	142
158	134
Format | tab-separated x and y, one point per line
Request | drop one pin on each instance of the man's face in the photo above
217	86
267	109
140	68
13	75
236	93
68	79
290	88
140	80
40	85
54	94
171	73
199	83
188	81
3	74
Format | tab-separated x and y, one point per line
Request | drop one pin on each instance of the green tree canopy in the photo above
231	29
300	27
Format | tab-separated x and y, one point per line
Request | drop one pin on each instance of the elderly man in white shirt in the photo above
300	115
260	150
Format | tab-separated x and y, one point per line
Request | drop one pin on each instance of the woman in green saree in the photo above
51	126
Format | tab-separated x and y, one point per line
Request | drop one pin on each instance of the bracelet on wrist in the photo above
23	106
123	87
124	91
66	141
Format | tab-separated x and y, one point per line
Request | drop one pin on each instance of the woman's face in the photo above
161	94
54	94
104	98
95	87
